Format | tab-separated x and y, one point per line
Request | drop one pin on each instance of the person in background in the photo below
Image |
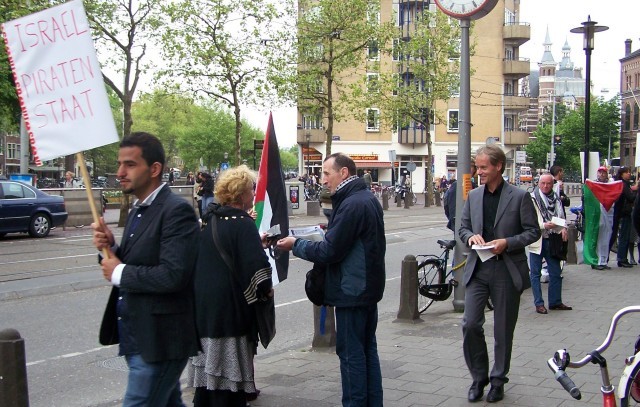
353	251
190	179
70	181
206	190
501	216
367	179
222	373
450	197
623	207
150	309
558	185
171	177
606	227
547	205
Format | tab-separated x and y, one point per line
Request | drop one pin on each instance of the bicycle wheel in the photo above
430	272
632	390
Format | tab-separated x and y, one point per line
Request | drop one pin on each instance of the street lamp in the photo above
308	137
588	29
552	94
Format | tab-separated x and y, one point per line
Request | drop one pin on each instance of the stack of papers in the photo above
559	223
484	251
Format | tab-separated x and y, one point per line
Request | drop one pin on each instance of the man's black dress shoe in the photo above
496	393
476	391
598	267
624	264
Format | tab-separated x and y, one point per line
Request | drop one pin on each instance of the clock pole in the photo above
463	176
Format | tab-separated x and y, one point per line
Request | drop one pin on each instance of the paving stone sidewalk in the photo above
423	364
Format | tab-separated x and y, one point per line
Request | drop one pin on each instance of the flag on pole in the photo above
598	219
271	200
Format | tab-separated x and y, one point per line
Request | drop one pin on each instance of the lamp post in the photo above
588	29
308	137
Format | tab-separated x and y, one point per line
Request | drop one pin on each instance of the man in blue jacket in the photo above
353	252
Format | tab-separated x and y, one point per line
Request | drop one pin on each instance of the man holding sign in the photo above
150	310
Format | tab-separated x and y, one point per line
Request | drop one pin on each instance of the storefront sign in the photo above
364	157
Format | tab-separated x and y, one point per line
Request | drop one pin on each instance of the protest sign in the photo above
59	82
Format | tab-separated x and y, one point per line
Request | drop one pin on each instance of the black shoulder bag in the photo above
265	310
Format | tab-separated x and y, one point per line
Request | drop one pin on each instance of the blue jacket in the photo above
353	248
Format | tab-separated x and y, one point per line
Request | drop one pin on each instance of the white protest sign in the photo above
59	83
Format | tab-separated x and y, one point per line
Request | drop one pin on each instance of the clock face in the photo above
466	9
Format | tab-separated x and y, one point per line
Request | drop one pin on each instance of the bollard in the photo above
13	370
385	200
313	208
328	339
407	200
572	236
408	311
437	196
410	196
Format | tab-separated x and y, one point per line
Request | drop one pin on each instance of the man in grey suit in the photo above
500	215
150	309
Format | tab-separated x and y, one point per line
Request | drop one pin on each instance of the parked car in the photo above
26	209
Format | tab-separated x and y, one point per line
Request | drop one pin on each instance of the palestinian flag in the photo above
598	219
271	203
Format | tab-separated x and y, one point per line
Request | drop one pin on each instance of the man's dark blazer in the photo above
516	220
158	279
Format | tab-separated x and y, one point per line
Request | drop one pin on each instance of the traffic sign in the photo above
411	166
224	166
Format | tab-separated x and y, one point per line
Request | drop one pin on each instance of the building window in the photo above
636	115
373	53
373	119
627	117
452	121
312	121
373	82
12	151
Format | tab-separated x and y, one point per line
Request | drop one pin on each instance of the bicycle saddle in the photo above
448	244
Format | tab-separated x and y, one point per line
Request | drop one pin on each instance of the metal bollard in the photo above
398	201
328	339
437	197
572	236
385	200
407	200
408	311
13	370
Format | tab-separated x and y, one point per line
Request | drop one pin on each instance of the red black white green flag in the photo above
598	219
271	200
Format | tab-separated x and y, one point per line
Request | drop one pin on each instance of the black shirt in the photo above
490	203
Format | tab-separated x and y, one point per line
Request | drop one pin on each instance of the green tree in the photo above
212	46
604	125
334	39
123	30
425	69
288	159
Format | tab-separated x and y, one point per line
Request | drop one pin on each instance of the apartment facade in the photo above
496	102
630	108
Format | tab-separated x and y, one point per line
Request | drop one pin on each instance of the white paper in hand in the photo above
484	251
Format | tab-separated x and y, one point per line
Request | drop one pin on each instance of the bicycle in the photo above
629	385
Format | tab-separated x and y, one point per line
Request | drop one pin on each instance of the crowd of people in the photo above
173	307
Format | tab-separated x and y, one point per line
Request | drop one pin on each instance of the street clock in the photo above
466	9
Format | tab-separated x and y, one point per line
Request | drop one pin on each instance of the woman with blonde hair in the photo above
223	372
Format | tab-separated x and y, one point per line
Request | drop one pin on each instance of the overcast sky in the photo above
621	16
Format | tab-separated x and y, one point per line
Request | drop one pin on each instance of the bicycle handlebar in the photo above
568	384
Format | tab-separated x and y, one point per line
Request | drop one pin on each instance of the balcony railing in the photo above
516	68
516	33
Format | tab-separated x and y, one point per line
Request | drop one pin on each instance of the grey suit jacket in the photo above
158	279
516	221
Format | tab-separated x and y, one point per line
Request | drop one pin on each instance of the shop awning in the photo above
372	164
44	168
